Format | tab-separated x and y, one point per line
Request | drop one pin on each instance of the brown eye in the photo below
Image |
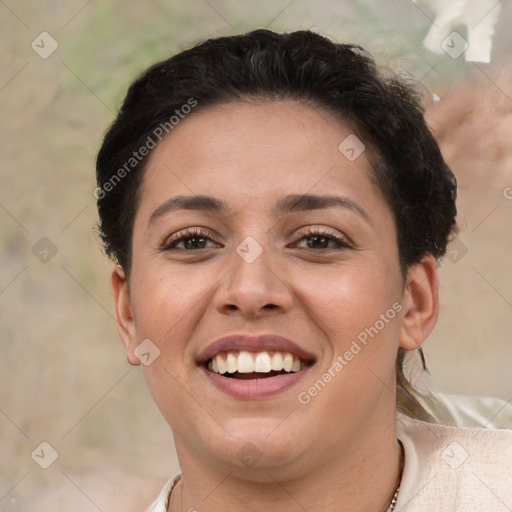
319	239
318	242
194	242
191	239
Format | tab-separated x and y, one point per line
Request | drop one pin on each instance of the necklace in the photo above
392	505
394	499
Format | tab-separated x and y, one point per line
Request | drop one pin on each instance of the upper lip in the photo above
261	343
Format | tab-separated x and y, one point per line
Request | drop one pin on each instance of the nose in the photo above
253	289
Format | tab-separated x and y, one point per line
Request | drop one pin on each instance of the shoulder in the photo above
455	468
468	411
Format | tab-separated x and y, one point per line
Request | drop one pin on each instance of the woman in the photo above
276	209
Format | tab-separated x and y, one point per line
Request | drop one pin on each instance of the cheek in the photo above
167	303
349	298
359	312
162	295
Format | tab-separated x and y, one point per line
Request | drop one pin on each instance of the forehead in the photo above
255	150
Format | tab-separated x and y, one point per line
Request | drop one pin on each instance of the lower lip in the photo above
254	388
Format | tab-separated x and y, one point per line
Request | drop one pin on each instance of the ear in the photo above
123	313
421	303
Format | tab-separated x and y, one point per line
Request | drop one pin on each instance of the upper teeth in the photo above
261	362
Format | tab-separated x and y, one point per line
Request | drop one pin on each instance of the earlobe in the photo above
123	313
420	303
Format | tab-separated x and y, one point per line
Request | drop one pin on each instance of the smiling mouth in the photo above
261	365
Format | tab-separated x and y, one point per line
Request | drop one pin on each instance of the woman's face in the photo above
280	259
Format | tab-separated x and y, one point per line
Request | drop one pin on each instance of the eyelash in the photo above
171	242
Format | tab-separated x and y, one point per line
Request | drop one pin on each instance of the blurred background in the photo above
65	66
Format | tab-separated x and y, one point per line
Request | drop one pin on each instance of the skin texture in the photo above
250	154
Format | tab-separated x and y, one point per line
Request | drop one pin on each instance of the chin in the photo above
261	445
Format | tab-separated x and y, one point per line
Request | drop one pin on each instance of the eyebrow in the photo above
288	204
307	202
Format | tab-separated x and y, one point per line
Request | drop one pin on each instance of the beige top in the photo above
447	468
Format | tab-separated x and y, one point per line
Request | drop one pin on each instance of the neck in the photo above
362	477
